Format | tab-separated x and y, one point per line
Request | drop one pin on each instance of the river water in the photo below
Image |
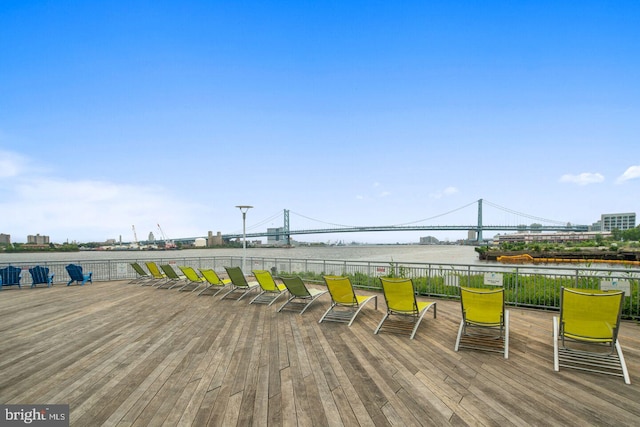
446	254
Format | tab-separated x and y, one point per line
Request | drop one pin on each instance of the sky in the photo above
116	115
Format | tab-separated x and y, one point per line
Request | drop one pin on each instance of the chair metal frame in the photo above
345	303
480	322
588	331
410	311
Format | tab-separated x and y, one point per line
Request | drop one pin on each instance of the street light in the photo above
244	209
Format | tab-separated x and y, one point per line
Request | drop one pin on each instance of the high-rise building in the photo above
618	221
5	238
37	240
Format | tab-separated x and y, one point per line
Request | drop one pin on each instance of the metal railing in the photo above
525	286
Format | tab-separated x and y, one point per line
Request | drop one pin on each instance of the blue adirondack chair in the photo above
10	276
76	274
40	275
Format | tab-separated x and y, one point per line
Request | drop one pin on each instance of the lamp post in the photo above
244	209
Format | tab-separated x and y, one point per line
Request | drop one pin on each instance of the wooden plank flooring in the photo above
127	355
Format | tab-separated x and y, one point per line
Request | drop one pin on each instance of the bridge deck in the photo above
122	354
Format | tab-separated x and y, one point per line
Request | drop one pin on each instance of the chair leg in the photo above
374	297
274	300
283	305
623	365
381	322
327	312
307	306
556	358
256	297
460	330
506	334
415	327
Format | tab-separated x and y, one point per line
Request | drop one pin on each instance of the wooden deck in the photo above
125	355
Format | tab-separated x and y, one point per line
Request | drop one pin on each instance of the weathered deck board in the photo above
127	355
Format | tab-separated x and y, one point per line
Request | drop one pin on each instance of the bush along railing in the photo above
537	287
527	286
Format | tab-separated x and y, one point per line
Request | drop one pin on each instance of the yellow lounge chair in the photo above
485	322
591	320
194	281
345	304
400	297
158	277
271	290
298	292
213	281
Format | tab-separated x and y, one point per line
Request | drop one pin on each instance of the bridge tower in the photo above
286	227
479	221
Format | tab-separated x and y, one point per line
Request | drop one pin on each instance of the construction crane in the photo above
135	237
168	244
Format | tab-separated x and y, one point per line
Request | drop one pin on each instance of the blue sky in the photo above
115	114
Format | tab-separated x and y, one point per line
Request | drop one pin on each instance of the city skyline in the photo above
115	115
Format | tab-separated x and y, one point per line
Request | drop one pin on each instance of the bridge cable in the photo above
437	216
393	225
523	214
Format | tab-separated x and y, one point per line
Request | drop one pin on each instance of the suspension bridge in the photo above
285	232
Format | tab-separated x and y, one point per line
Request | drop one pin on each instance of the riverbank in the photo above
583	255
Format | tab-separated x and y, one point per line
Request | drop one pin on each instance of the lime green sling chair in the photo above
485	322
270	290
345	303
194	281
590	320
400	297
213	281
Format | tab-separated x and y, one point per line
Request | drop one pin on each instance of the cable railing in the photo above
533	286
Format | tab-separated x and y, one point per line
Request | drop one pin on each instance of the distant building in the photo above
152	238
37	240
214	240
619	221
569	236
5	238
276	236
429	240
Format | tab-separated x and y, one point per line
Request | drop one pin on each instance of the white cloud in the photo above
582	179
633	172
94	210
449	191
11	164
